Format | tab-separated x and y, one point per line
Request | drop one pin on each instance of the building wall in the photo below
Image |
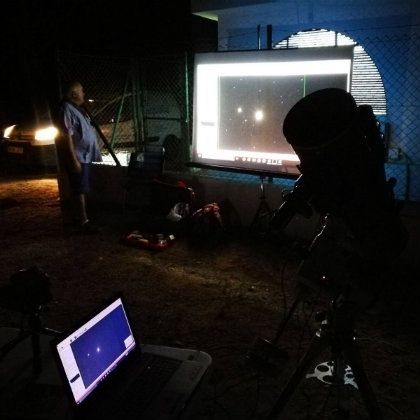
388	30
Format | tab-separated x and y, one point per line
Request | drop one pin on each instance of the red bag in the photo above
153	241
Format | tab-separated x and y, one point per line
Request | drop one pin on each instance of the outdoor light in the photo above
46	134
8	131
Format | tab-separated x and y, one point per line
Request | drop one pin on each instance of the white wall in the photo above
239	200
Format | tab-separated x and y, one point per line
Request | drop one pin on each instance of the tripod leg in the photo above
284	322
313	352
343	407
35	326
8	347
49	331
36	362
263	207
352	354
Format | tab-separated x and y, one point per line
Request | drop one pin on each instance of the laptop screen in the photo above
91	352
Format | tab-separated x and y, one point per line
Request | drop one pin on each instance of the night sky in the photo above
33	31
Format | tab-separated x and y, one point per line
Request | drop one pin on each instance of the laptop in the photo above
109	373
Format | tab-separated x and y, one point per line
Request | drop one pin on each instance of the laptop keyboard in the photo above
149	383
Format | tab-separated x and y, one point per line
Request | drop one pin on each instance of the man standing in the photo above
77	148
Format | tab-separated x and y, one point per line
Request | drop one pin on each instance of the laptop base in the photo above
24	396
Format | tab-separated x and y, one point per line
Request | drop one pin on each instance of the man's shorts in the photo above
79	182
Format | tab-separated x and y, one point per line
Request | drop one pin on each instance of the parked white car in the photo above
30	145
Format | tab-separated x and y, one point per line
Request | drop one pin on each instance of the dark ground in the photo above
217	299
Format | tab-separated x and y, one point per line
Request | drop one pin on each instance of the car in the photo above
29	145
32	144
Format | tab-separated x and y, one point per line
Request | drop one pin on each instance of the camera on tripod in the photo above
28	290
28	293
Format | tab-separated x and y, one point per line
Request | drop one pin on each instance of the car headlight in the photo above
8	131
46	134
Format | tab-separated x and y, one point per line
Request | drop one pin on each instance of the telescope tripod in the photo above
337	333
263	209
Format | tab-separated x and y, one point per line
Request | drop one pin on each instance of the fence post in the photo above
186	128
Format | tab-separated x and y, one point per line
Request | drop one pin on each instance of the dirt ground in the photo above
218	299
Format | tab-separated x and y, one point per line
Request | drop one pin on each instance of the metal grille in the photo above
366	84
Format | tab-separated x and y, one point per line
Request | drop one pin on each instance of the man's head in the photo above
73	91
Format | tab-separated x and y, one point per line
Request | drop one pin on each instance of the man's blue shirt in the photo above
77	124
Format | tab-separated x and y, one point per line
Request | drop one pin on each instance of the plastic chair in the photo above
145	166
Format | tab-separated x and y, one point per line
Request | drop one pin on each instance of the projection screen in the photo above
241	99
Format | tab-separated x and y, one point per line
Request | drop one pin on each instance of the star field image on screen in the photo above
95	350
241	99
252	109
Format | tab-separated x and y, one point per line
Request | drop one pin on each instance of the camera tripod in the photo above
34	331
337	333
263	209
27	293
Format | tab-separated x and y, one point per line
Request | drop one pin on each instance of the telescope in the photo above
342	165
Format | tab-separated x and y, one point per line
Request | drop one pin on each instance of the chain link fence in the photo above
149	100
398	60
135	102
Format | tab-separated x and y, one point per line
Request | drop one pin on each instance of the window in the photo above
366	84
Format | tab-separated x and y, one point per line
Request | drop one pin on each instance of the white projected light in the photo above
242	98
259	115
